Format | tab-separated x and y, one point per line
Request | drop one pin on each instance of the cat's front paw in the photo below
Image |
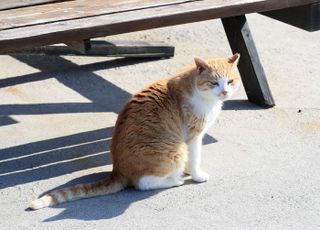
200	176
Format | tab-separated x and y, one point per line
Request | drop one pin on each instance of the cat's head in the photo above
217	78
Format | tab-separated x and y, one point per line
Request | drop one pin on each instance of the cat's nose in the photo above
224	93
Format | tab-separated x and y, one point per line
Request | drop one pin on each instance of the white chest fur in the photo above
209	109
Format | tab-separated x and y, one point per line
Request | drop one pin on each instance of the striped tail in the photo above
103	187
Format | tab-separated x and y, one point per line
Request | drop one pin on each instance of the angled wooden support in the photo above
251	71
138	49
81	46
306	17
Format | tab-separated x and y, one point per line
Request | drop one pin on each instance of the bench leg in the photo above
251	71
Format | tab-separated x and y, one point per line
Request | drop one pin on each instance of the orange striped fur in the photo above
156	130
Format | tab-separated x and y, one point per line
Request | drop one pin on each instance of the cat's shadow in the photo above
102	207
108	206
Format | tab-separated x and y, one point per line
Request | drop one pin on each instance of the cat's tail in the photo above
81	191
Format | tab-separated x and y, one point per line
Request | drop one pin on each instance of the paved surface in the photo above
57	116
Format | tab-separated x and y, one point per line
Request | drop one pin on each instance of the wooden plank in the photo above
141	49
79	9
129	21
64	11
12	4
305	17
250	68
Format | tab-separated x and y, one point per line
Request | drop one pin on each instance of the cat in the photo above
158	134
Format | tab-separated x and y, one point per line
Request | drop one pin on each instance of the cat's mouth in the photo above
224	96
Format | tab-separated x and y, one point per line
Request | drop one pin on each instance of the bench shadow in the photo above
240	105
104	96
55	157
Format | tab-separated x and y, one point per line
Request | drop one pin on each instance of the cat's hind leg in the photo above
156	182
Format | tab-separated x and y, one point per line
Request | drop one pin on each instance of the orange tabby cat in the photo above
160	130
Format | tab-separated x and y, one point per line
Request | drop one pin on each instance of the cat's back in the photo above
149	103
151	114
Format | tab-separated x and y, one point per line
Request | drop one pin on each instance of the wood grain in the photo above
72	10
12	4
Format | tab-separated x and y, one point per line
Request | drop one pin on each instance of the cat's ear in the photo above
234	59
201	65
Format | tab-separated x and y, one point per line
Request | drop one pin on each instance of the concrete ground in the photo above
57	116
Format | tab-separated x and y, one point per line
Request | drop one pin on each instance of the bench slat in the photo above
64	11
11	4
135	20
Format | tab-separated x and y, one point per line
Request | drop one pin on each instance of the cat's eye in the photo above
214	83
230	81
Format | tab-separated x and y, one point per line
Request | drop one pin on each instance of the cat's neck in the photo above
202	106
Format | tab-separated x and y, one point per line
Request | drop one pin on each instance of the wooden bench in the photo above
74	23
